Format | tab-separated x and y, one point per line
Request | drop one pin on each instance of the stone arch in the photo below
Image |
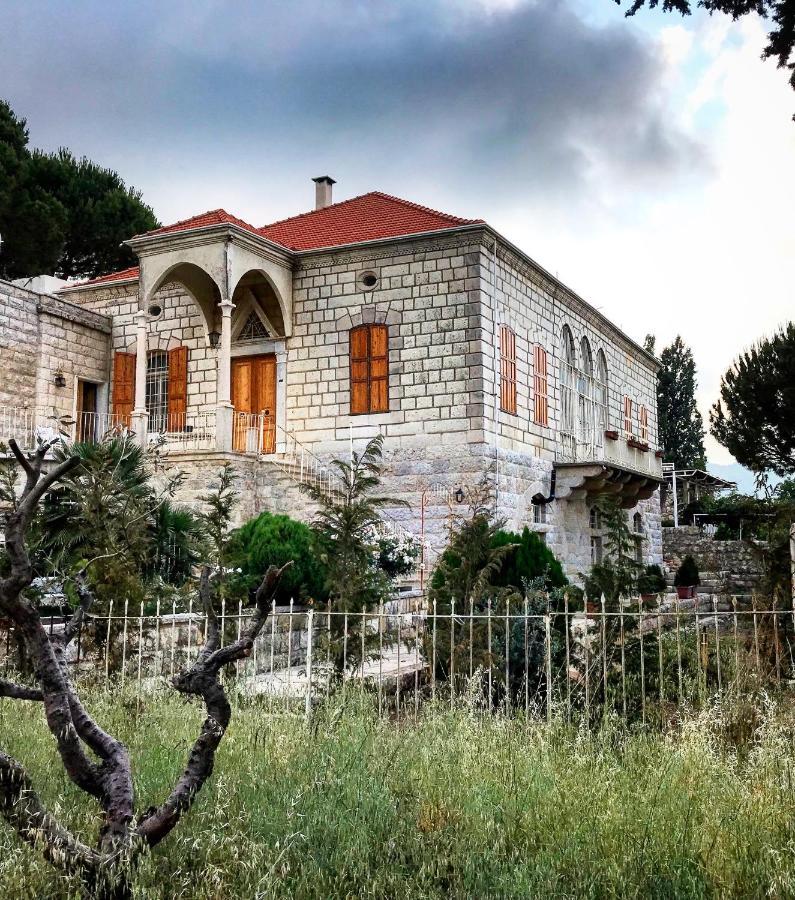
201	286
259	289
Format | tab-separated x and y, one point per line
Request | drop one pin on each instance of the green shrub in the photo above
530	560
274	540
687	573
652	581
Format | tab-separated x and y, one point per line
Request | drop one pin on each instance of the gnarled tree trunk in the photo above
94	760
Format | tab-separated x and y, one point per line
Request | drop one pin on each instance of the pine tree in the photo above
681	428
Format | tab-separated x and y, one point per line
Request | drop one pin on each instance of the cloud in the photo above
516	103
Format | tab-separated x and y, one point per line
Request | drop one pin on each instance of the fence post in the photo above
107	642
452	654
792	563
124	642
548	632
140	657
310	622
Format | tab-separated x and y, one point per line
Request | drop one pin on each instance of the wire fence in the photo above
641	660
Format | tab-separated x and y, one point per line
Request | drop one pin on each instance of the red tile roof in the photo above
213	217
124	275
366	218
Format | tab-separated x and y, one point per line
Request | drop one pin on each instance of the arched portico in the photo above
219	268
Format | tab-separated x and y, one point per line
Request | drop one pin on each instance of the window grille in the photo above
157	390
254	329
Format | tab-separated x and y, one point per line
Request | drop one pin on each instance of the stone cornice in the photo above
61	309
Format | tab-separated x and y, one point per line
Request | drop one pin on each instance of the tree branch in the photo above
19	691
202	680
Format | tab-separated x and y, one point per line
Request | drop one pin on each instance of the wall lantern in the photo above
459	495
215	338
60	379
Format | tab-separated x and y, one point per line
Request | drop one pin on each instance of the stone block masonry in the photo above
42	335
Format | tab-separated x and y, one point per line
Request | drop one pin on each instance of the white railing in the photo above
194	430
35	425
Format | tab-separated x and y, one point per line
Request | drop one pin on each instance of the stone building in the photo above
280	347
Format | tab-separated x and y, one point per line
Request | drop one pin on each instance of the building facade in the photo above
284	346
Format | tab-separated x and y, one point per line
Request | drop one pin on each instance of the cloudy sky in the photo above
649	162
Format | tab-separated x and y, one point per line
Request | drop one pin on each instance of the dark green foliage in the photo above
60	215
687	574
681	428
529	560
275	540
220	502
781	38
652	581
617	575
755	417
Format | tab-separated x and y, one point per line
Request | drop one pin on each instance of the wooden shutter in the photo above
177	388
644	424
507	370
379	369
360	366
123	387
369	366
628	416
540	387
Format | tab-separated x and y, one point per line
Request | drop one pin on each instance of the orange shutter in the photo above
369	369
540	387
123	387
379	369
628	416
644	424
359	370
177	388
507	370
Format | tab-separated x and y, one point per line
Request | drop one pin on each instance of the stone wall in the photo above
726	567
41	335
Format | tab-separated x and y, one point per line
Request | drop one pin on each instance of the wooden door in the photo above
254	399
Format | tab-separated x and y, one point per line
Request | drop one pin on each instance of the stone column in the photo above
224	409
139	417
281	400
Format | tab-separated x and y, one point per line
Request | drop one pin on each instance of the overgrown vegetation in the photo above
456	806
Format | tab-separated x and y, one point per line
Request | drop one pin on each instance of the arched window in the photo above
507	370
369	366
637	523
602	392
586	411
568	371
540	387
586	365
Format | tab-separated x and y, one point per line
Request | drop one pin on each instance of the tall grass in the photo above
456	805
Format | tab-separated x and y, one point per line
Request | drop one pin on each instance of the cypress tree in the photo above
681	428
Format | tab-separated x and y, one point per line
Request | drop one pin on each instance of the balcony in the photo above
592	460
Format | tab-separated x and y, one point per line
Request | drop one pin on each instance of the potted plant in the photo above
651	583
687	579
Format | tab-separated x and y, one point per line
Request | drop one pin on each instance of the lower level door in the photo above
254	399
86	411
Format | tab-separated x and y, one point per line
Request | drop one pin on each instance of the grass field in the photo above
454	806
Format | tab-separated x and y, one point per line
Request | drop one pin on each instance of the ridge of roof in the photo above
211	217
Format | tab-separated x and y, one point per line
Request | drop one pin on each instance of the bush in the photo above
687	574
529	560
274	540
652	581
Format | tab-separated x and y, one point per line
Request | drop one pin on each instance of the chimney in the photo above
323	191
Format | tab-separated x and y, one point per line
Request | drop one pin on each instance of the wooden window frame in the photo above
628	422
369	369
643	417
540	386
507	370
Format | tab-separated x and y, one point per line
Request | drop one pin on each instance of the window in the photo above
507	370
595	518
539	513
540	387
643	415
628	430
369	369
601	390
254	329
157	390
568	383
637	523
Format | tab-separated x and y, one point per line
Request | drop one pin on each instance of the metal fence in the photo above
639	660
